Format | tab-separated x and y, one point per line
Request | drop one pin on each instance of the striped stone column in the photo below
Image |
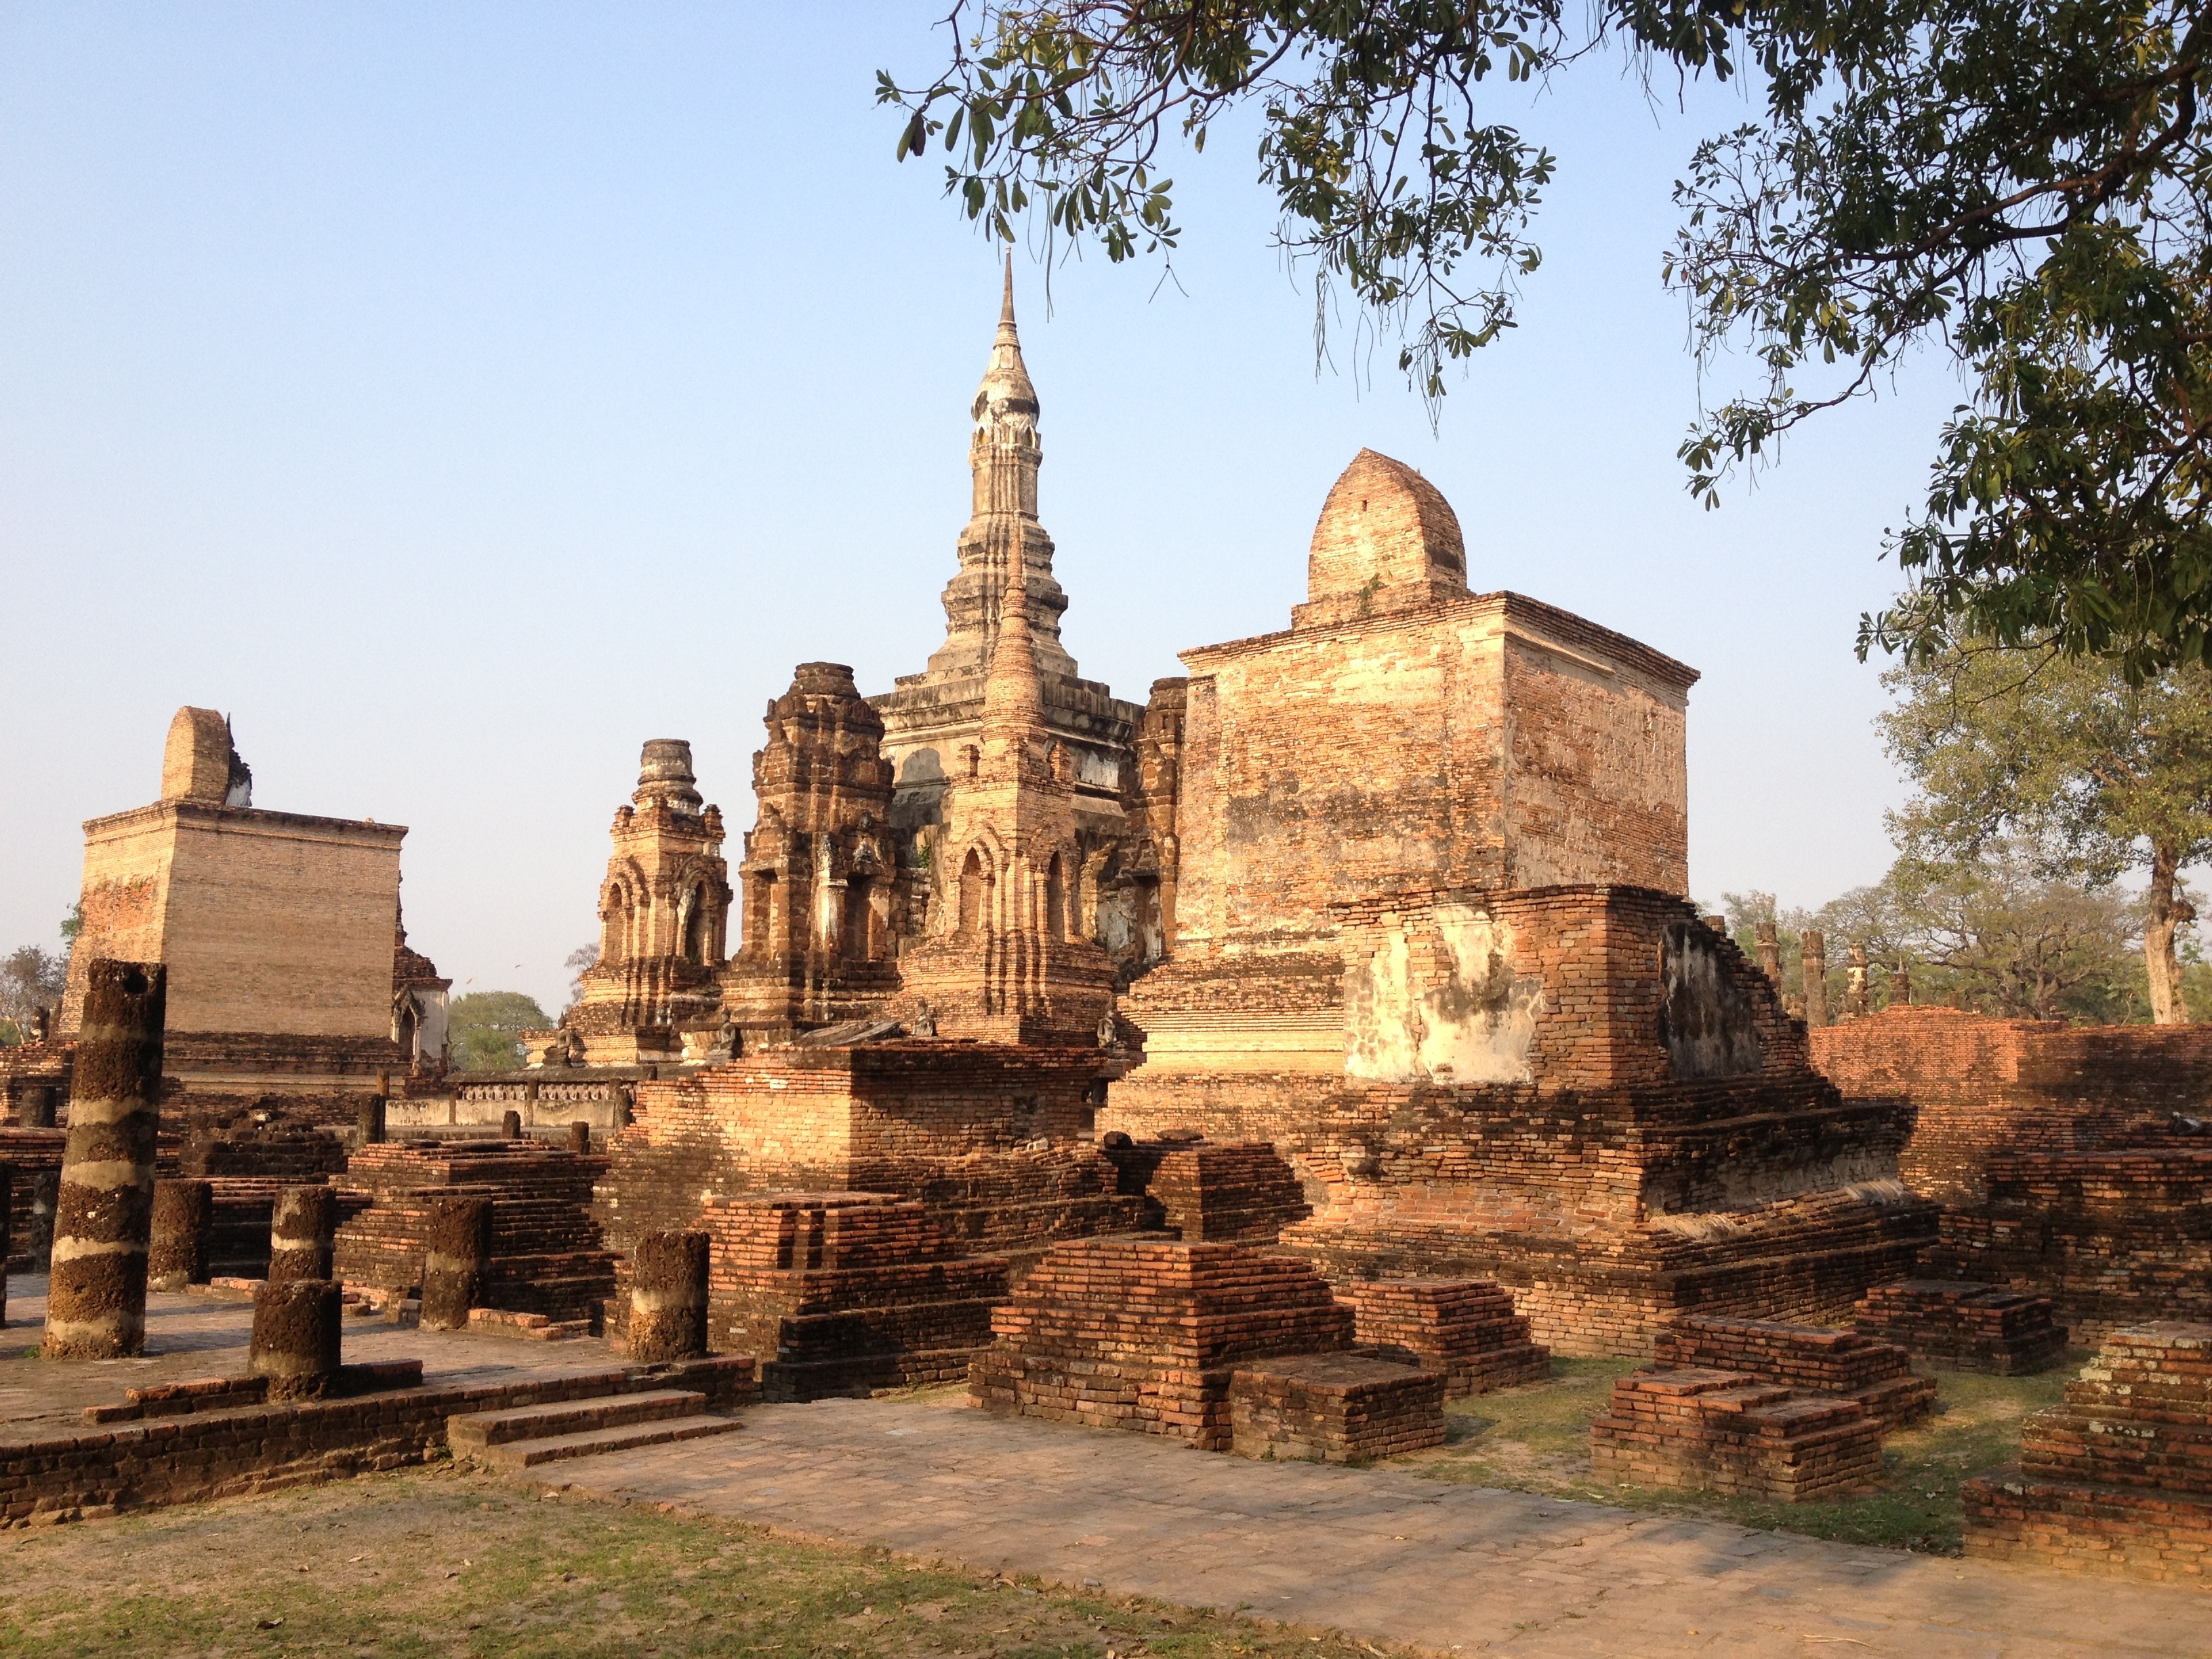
104	1214
183	1211
301	1226
456	1257
668	1298
295	1337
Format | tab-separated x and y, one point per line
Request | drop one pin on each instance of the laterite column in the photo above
183	1212
668	1298
370	1117
46	1193
7	1231
39	1107
579	1138
300	1227
1816	977
295	1337
456	1258
510	1125
104	1216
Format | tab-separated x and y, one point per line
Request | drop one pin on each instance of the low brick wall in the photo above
224	1454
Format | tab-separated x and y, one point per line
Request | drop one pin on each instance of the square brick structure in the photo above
1960	1326
1465	1329
1148	1333
844	1293
1242	1193
1724	1432
2118	1480
1845	1363
1334	1409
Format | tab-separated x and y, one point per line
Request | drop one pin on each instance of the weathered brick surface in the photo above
1963	1325
1334	1409
1147	1334
1242	1193
1464	1328
2118	1480
1813	1358
1724	1431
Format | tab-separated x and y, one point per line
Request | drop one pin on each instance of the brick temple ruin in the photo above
1259	1066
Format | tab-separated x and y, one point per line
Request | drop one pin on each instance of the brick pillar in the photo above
183	1212
625	1106
1770	952
1900	983
579	1138
295	1337
510	1125
300	1232
46	1193
372	1114
1816	977
668	1298
39	1106
456	1256
104	1216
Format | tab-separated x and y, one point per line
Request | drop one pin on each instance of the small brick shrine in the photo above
1240	1193
2118	1480
1334	1408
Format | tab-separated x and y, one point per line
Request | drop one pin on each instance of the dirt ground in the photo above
456	1564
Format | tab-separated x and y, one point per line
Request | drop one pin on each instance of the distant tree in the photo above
30	979
1995	935
582	960
2086	775
486	1027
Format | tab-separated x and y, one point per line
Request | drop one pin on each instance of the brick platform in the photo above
547	1255
1464	1328
2118	1480
844	1293
1959	1325
1727	1432
1847	1365
1241	1193
1147	1334
1334	1409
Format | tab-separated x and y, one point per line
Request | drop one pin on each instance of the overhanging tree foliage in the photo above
2019	183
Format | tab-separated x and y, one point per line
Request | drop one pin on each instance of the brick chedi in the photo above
1428	942
2116	1481
1008	958
664	914
824	902
1109	752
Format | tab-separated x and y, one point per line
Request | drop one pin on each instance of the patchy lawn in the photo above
1536	1438
442	1565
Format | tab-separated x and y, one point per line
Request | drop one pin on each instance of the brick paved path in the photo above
1372	1552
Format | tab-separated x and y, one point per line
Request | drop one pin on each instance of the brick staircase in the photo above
529	1436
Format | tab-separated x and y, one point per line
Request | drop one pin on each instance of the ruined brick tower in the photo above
1008	958
933	721
664	914
822	899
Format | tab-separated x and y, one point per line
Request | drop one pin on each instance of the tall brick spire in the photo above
1013	700
1004	455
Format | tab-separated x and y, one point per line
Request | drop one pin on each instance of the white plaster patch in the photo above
1454	1012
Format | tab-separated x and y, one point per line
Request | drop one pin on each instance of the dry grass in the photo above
443	1565
1536	1438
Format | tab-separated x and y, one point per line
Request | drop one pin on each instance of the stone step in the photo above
517	1454
477	1429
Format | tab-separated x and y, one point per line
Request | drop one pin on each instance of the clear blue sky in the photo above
459	395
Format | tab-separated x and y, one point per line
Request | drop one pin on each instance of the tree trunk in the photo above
2167	914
